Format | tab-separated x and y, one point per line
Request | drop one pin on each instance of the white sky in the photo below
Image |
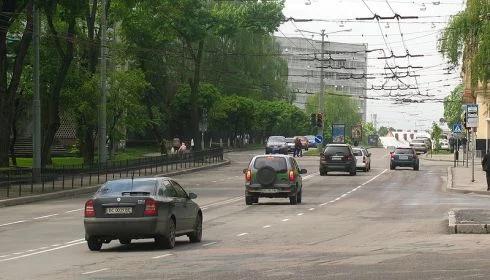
420	36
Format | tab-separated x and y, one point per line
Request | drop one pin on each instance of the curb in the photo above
86	190
465	228
450	185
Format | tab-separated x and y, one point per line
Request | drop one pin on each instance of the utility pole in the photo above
36	102
321	103
103	85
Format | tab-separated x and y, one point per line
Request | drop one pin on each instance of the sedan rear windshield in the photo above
278	163
277	139
289	140
419	141
337	150
117	188
404	151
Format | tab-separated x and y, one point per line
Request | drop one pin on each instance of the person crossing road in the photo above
486	167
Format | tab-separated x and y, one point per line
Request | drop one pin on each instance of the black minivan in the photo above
337	157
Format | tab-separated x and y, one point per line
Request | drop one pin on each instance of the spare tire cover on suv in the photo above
266	175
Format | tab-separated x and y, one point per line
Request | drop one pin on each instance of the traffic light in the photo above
313	119
319	120
464	119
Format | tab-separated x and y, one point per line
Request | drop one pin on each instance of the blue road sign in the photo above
318	139
458	128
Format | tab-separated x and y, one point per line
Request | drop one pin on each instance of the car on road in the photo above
363	159
419	145
337	157
445	145
141	208
311	141
276	145
290	143
273	176
304	142
404	157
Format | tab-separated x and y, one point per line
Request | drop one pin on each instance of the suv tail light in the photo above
291	176
150	207
364	159
248	176
392	155
89	209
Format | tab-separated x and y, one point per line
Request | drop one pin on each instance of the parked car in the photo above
428	142
276	145
419	145
311	141
337	157
445	144
273	176
404	157
290	144
304	142
140	208
363	159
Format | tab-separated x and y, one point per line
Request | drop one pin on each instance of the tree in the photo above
453	106
367	129
383	131
16	21
436	135
466	36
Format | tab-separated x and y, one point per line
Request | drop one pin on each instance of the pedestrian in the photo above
486	167
183	148
297	147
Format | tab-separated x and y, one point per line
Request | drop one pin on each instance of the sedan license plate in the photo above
119	210
404	157
336	158
269	190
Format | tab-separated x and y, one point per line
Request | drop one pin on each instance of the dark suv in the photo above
276	145
337	157
273	176
405	157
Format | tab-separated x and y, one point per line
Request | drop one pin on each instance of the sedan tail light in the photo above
248	176
292	177
89	209
150	207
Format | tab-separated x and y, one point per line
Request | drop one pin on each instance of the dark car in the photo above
276	145
337	157
404	157
273	176
129	209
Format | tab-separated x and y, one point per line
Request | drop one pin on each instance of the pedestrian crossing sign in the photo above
457	128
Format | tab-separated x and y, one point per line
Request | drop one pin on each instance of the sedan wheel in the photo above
196	235
249	200
167	241
94	244
300	196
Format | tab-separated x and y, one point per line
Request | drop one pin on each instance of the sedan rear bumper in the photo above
114	228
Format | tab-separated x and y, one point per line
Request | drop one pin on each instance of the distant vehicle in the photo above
304	142
337	157
363	159
445	144
276	145
311	141
273	176
404	157
428	142
419	145
129	209
290	144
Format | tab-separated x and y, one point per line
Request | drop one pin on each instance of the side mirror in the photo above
245	170
192	195
303	171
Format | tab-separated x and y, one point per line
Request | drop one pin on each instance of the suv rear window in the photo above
404	151
418	141
278	163
357	153
116	188
337	150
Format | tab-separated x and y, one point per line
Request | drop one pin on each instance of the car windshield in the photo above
289	140
404	151
418	141
357	153
337	150
277	139
277	163
117	188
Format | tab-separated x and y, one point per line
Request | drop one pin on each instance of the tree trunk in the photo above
194	84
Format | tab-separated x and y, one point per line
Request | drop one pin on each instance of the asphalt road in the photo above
378	225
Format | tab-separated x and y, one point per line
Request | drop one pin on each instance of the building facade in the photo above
345	68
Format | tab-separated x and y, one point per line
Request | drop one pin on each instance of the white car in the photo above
363	159
444	144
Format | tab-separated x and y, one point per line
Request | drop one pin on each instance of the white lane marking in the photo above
307	177
6	255
214	181
74	210
227	201
19	253
95	271
209	244
40	252
266	226
32	250
285	220
343	195
12	223
55	245
300	214
311	209
323	204
44	217
42	248
242	234
331	201
73	241
162	256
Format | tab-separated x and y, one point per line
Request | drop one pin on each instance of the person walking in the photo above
297	147
486	167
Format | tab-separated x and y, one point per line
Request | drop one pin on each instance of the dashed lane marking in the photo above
12	223
242	234
74	210
43	251
162	256
266	226
300	214
285	220
95	271
44	217
311	209
209	244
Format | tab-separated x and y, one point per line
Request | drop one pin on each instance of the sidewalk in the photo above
461	180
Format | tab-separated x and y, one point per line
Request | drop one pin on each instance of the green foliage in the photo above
382	131
467	34
452	106
436	135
